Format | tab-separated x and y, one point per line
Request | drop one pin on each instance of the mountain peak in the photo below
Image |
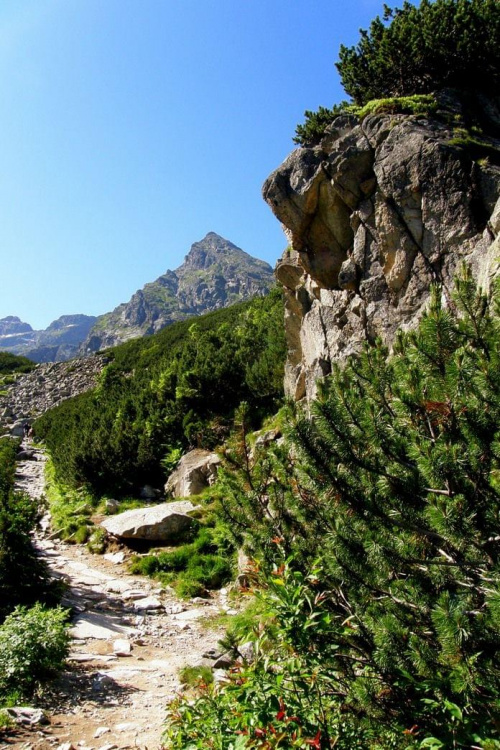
213	249
215	273
12	324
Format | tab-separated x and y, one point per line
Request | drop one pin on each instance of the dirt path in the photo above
129	639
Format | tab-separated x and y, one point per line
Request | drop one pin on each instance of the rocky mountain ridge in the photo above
374	214
215	273
58	342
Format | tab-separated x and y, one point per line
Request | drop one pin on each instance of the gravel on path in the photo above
130	637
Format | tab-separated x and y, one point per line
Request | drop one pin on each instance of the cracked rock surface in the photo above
374	214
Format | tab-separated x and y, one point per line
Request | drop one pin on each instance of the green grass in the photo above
423	105
192	676
5	721
70	509
191	569
478	149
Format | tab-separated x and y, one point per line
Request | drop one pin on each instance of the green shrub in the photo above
313	130
420	49
96	543
192	676
377	535
13	363
24	577
165	393
33	647
191	569
70	509
410	54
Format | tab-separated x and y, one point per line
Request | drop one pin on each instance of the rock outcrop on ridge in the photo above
375	214
215	274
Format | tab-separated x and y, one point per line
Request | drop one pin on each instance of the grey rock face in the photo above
375	214
12	325
196	471
57	343
215	274
158	523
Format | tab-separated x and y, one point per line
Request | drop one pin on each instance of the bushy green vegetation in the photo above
23	576
176	389
13	363
11	367
70	508
192	569
33	641
34	644
192	676
411	53
419	49
377	548
313	129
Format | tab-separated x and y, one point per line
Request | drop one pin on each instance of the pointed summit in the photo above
215	273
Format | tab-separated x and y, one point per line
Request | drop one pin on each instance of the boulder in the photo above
155	524
112	504
26	455
196	471
149	493
17	429
27	715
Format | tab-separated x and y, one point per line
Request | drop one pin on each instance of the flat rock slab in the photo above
93	625
88	572
83	658
149	603
117	586
189	615
157	523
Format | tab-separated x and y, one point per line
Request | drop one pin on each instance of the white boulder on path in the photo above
156	524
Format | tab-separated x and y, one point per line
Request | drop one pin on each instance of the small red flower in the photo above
316	742
281	713
413	731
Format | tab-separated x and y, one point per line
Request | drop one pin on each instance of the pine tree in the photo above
391	490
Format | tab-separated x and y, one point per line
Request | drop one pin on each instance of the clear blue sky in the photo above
131	128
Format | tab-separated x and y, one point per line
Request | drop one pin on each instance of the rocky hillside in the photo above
59	342
46	386
215	274
374	214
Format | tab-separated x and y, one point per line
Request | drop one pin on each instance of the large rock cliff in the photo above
374	214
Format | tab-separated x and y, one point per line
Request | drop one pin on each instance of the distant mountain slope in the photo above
215	274
58	342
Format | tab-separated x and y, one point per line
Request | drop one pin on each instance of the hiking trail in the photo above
129	638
